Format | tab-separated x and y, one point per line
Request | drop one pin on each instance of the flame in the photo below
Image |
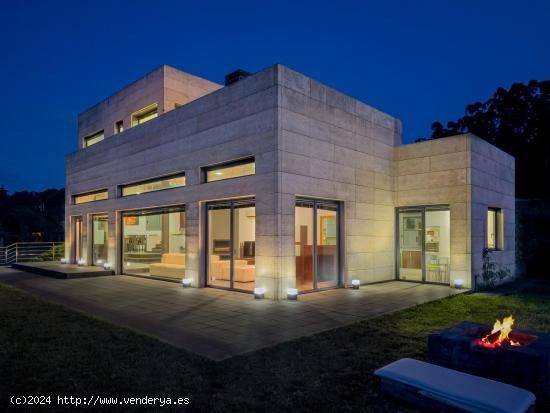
504	328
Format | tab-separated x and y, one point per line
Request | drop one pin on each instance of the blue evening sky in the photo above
420	61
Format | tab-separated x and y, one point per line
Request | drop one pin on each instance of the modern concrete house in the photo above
277	181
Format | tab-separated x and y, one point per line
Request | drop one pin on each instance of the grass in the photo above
49	349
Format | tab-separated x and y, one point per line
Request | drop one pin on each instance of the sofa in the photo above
171	265
242	271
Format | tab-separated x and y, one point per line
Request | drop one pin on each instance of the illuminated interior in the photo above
94	138
154	243
425	244
230	170
174	181
145	114
91	197
100	232
495	229
316	264
119	127
232	244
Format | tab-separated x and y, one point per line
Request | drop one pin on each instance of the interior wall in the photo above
441	219
246	224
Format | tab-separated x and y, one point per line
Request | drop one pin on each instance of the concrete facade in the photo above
307	140
164	86
470	175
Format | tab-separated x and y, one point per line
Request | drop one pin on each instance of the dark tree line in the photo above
31	216
517	121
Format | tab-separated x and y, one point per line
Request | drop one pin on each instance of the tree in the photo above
31	216
517	121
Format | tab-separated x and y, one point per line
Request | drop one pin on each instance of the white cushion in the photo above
466	391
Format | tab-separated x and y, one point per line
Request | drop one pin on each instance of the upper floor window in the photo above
94	138
119	127
227	170
145	114
91	196
151	185
495	229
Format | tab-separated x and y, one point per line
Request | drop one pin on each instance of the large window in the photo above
232	244
158	184
145	114
495	239
100	236
154	243
91	197
316	244
229	170
94	138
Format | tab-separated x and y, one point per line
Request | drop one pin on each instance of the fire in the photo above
500	334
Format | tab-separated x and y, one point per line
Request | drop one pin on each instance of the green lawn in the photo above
49	349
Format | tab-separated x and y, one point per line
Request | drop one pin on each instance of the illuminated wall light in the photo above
355	284
100	262
459	283
292	294
186	282
259	292
81	262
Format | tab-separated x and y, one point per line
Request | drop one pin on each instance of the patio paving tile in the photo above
218	324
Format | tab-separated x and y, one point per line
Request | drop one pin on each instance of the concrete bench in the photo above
435	388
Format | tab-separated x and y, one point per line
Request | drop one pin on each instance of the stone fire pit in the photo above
526	366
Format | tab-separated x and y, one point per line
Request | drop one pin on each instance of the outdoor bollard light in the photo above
292	294
63	260
186	282
459	283
355	284
259	293
81	262
107	266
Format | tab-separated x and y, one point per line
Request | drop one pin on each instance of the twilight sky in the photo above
420	61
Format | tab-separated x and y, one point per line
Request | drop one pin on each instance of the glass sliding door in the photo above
316	244
77	236
219	245
424	244
153	243
437	245
231	242
303	244
100	236
410	245
244	245
327	245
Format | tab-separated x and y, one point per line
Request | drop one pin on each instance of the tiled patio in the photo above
219	324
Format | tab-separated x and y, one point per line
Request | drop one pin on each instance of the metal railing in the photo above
31	252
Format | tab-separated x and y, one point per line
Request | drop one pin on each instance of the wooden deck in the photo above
63	271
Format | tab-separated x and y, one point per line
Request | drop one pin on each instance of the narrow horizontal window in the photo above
91	197
229	170
151	185
145	114
94	138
